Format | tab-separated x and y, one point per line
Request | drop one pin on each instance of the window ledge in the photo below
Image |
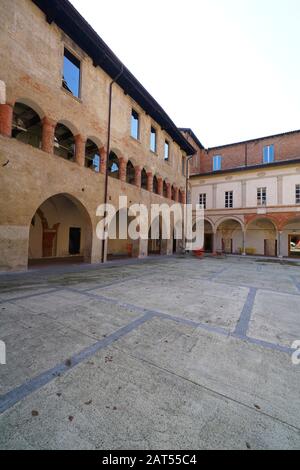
68	93
138	141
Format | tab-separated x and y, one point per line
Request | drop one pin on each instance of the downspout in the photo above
188	159
108	149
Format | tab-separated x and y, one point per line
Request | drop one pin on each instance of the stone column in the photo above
6	118
122	169
48	135
244	243
138	176
169	191
103	160
214	248
150	182
79	150
160	186
176	194
183	197
279	242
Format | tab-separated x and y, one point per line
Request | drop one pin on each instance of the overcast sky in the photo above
229	69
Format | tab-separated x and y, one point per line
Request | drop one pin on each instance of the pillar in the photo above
79	150
6	119
150	182
183	197
160	186
103	160
176	194
48	135
138	176
279	242
169	191
122	169
244	243
214	247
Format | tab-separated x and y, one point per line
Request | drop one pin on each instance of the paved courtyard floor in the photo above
172	353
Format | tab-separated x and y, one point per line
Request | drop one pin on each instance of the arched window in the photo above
92	157
64	142
165	189
144	179
155	185
130	173
113	166
27	126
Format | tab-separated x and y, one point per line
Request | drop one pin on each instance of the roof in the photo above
254	140
77	28
295	161
189	131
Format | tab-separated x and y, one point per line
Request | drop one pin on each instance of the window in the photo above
153	140
71	74
269	154
229	199
202	201
135	125
167	151
261	196
297	193
217	163
183	166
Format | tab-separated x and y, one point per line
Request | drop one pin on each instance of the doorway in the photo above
208	242
294	246
271	248
74	241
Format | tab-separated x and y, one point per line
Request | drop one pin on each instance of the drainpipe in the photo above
188	159
108	148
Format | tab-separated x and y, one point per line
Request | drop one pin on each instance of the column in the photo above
214	243
48	135
244	243
103	160
183	196
79	150
138	176
169	191
150	182
122	169
160	186
279	242
6	118
176	194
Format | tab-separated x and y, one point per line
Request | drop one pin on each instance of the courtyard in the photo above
166	353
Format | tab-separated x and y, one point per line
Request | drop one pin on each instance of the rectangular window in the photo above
153	140
261	196
71	74
167	150
202	201
135	125
217	163
229	199
183	166
269	154
297	193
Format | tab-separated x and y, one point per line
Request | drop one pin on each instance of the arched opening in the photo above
144	178
155	185
261	238
290	238
156	244
208	237
113	166
27	125
92	157
120	245
230	237
60	231
64	142
165	190
130	173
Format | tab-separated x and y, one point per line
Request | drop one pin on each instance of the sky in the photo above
228	69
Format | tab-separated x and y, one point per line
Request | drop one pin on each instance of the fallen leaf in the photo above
35	413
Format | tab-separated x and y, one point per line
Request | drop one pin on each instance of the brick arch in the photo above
225	219
33	105
278	220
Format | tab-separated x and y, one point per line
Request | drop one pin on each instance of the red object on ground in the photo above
199	253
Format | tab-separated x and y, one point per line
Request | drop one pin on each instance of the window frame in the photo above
203	198
262	196
228	199
68	50
152	128
167	143
270	155
297	194
133	111
219	159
